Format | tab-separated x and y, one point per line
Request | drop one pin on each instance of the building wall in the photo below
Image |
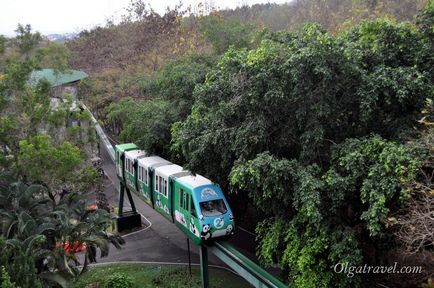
60	91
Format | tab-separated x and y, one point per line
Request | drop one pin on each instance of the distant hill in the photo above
146	41
61	38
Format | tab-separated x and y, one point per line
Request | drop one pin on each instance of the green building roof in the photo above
56	79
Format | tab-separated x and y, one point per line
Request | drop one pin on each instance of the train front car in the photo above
201	209
215	217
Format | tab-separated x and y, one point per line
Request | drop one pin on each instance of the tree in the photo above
26	40
148	123
311	127
5	279
34	225
223	33
22	268
36	217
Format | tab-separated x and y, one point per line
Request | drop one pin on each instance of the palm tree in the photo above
18	257
76	224
21	206
30	218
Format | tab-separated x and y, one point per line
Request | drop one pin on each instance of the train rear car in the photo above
120	157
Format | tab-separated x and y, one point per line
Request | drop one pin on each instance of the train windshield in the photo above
213	207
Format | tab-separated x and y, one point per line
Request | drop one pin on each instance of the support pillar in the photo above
121	198
204	266
189	255
128	219
130	198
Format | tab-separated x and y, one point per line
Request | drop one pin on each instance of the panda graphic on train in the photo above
192	202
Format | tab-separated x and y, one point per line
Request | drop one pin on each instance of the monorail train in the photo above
195	204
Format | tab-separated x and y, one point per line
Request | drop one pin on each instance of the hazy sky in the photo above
60	16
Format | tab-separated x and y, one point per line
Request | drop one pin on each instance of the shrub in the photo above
119	280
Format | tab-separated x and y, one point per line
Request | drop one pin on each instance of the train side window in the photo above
140	173
192	208
160	184
156	183
185	201
143	174
181	198
165	188
128	165
147	176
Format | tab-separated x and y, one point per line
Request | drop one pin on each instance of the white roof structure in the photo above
168	170
153	161
195	181
133	154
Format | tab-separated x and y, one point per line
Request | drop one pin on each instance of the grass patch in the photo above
149	275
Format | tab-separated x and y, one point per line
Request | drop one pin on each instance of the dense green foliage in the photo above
34	224
43	177
5	279
294	96
294	121
222	33
148	123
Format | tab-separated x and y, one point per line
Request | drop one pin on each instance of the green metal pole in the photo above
204	266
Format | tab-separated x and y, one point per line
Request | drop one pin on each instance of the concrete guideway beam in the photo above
245	267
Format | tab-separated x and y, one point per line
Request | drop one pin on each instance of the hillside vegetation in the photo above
320	133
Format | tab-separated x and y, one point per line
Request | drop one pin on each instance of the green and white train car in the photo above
195	204
146	167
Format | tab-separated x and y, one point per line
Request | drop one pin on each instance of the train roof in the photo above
168	170
126	147
133	154
153	161
195	181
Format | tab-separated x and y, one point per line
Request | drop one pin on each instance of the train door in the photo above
184	206
194	220
161	196
151	186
